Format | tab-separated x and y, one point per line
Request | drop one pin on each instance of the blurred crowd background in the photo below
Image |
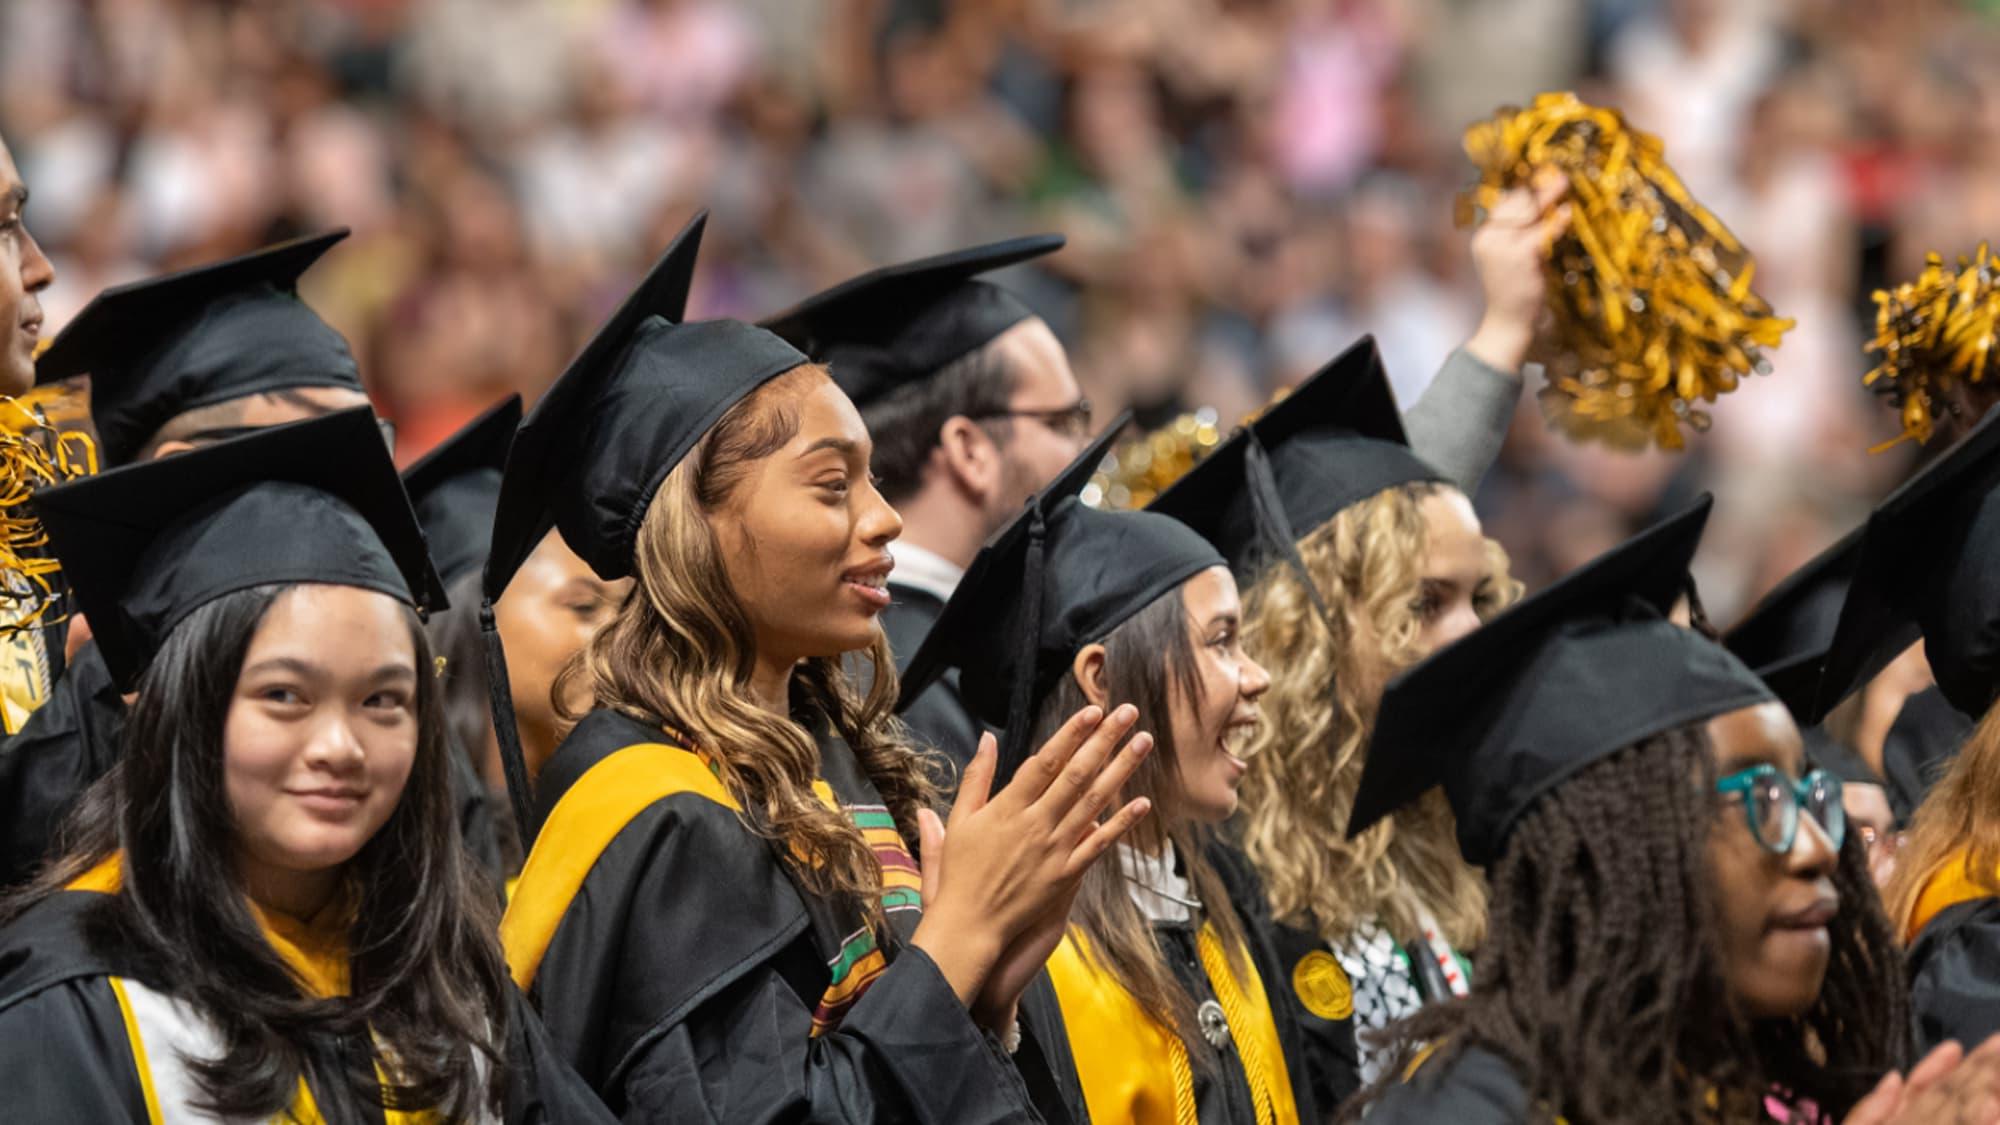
1247	186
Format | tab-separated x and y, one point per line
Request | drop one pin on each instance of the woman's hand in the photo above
1508	251
1949	1087
998	880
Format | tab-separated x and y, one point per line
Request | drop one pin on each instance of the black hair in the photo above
428	985
906	422
468	715
1600	983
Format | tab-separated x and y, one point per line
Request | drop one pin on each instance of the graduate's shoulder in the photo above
612	769
1470	1086
57	941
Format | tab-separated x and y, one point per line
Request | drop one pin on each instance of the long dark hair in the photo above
428	984
1600	982
1147	659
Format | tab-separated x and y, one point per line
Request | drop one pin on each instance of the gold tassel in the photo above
1929	334
1650	293
32	455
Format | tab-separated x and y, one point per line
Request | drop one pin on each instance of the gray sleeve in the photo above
1461	419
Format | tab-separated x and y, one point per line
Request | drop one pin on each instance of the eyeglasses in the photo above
229	433
1072	421
1771	804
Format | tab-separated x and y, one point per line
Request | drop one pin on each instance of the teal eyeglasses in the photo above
1771	804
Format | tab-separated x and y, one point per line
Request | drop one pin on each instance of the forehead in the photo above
826	411
1763	732
1038	361
1209	594
10	176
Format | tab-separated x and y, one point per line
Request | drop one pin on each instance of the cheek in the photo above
257	756
392	752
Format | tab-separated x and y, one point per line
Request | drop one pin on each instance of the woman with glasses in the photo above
1681	928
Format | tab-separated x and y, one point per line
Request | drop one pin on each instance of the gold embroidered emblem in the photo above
1323	986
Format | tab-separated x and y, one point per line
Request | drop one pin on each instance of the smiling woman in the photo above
265	908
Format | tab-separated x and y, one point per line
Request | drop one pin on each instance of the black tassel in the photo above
501	698
1272	525
1014	747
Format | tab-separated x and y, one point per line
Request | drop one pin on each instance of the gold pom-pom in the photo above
32	455
1930	334
1650	293
1136	471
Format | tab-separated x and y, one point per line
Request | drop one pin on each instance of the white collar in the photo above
1161	893
925	570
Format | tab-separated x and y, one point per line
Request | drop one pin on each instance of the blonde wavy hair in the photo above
1958	823
680	652
1306	756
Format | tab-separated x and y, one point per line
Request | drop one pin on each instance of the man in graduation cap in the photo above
175	362
973	407
24	272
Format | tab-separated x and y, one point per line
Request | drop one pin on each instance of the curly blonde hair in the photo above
1306	756
681	649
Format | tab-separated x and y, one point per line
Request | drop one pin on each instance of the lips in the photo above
332	799
870	582
1816	916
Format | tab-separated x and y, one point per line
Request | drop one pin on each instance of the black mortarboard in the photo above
595	449
456	488
1333	442
313	501
1837	758
1059	576
1784	638
1582	669
1925	569
898	324
158	348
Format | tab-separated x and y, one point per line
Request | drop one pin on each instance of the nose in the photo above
1813	854
37	273
335	748
880	524
1256	681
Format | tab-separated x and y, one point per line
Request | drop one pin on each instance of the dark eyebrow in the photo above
301	668
846	447
1226	617
17	194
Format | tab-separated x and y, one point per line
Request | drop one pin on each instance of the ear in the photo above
971	458
1088	668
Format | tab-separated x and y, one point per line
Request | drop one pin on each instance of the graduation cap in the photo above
158	348
590	456
1925	570
1920	746
456	489
1335	441
1564	678
313	501
1785	637
896	325
1059	576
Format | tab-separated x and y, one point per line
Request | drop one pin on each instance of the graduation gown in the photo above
72	740
1954	961
88	1037
939	717
687	977
1130	1068
1475	1087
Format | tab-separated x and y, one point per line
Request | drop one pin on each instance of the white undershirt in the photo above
1159	891
925	570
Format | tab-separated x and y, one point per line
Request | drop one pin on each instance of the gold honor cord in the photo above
1931	334
1650	293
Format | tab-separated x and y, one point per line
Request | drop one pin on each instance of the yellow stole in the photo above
1134	1068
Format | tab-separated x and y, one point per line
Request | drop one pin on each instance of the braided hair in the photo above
1600	982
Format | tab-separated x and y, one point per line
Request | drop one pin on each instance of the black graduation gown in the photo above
1477	1087
681	970
939	717
1954	967
72	740
77	1023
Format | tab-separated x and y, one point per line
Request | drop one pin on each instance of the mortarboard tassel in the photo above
1930	333
1650	292
1269	512
1028	643
506	731
33	454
